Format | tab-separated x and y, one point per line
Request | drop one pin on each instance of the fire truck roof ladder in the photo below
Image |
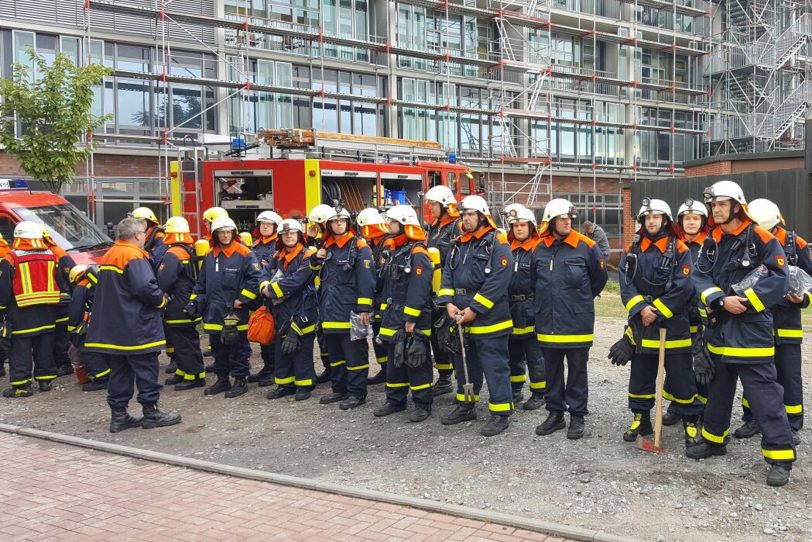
190	162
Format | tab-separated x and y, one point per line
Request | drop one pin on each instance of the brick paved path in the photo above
51	491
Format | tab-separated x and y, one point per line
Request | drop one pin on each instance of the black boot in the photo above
419	414
64	370
280	392
641	425
209	368
535	402
704	450
778	475
796	438
323	377
121	420
2	369
18	391
351	402
302	395
96	385
669	418
207	353
576	428
265	381
443	385
223	384
240	387
171	368
749	429
379	378
45	385
173	380
518	397
495	425
332	398
461	413
190	384
388	408
155	418
554	422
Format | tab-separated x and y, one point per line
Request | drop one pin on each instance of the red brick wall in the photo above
723	167
629	223
106	165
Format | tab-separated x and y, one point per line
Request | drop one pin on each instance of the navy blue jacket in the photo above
293	292
441	235
522	289
787	326
177	275
407	275
264	249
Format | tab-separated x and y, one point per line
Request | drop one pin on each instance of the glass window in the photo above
23	42
69	228
71	47
186	106
132	58
133	103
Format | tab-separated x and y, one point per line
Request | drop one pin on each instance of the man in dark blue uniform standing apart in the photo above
739	337
126	327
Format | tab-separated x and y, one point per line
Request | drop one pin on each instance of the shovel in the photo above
467	388
642	442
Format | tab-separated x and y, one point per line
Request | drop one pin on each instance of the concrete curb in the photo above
488	516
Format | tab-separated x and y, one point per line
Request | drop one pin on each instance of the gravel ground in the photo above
599	482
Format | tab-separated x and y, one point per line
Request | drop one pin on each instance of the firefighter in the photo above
126	327
692	227
33	291
154	243
61	335
787	328
373	229
316	223
210	215
265	246
474	291
4	250
656	289
347	284
291	293
569	273
83	279
525	352
228	283
407	277
739	338
442	232
177	275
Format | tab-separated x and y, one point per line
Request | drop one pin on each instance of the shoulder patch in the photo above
418	270
367	264
780	261
503	262
686	270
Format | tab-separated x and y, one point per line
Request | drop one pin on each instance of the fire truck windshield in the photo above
69	228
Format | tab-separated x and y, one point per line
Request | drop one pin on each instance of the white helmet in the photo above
724	190
290	224
692	207
558	207
269	216
523	214
474	203
338	212
512	207
320	213
28	229
404	214
654	207
441	194
223	223
765	212
369	217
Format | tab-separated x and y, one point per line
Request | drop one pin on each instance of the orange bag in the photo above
261	327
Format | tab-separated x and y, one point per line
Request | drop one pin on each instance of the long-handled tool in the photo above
642	442
467	388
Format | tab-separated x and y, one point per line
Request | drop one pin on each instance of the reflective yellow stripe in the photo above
20	382
62	320
364	301
710	437
277	290
263	284
712	290
444	366
702	399
634	301
518	378
103	373
484	301
306	382
779	455
694	329
676	343
523	330
382	359
480	330
383	306
358	367
193	296
282	381
664	310
702	312
789	333
33	329
676	400
336	325
745	402
411	312
309	329
111	268
162	304
794	409
219	327
420	387
445	291
538	385
47	377
387	332
186	321
565	338
762	352
461	397
337	363
128	348
397	384
500	407
248	293
754	300
641	396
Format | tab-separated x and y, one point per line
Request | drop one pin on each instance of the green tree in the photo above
45	115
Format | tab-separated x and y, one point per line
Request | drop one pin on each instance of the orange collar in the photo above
397	241
571	239
781	235
479	234
661	244
528	244
266	240
698	240
228	250
288	255
445	220
717	232
338	242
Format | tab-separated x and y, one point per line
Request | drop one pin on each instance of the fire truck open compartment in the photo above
359	189
245	194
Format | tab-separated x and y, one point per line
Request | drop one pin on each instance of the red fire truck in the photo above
298	180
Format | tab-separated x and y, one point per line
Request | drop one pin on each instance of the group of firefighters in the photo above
462	296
